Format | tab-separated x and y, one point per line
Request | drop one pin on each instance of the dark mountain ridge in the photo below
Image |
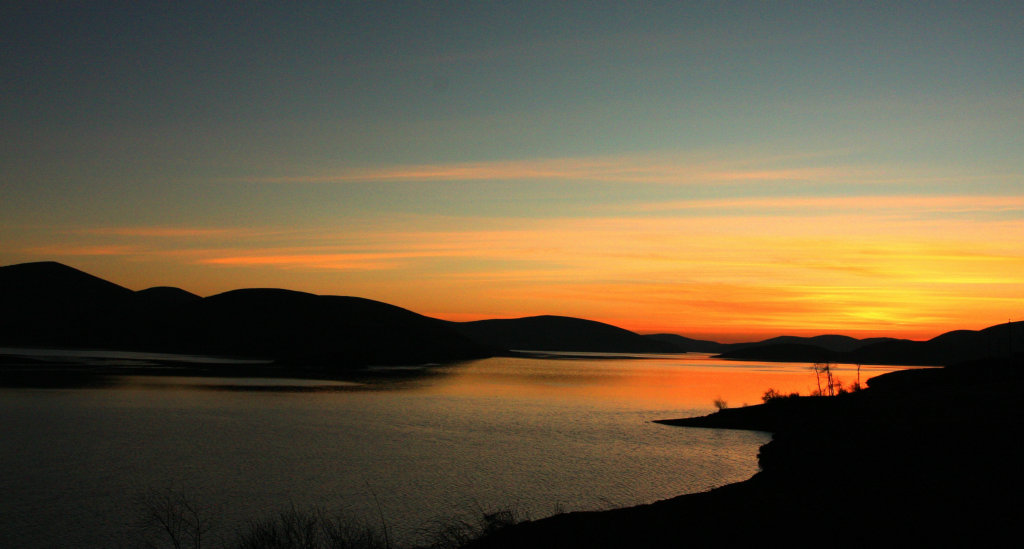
304	327
166	295
831	342
51	281
560	333
1001	340
685	344
51	305
41	300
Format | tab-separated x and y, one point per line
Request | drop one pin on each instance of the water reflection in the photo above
428	442
70	368
688	381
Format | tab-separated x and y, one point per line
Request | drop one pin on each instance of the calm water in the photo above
539	435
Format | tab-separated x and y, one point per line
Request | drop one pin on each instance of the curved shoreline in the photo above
921	456
927	455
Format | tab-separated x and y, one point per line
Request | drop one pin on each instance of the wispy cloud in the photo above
332	261
817	239
831	204
58	250
656	169
168	232
828	262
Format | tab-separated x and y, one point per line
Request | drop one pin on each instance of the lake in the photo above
539	435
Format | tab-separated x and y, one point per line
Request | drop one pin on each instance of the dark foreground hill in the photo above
560	333
920	458
53	305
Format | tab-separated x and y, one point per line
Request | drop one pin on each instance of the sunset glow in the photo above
836	171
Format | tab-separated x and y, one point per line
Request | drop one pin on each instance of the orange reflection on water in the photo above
657	382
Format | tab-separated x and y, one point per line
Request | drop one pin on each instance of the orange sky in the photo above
725	269
717	170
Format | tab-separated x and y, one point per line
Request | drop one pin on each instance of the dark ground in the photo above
921	457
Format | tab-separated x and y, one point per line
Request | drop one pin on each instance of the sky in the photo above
722	170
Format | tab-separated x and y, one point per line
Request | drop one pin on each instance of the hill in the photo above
560	333
49	303
831	342
688	345
783	352
957	346
301	327
787	347
165	295
52	305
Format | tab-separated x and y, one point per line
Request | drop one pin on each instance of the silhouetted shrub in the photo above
310	529
771	394
175	519
170	518
460	531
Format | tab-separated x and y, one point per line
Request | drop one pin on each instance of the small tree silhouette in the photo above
832	383
770	395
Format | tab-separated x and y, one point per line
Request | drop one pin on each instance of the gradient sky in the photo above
721	170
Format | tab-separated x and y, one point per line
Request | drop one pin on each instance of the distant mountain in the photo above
787	348
996	341
560	333
1001	340
688	345
783	352
297	326
165	295
48	304
52	305
836	343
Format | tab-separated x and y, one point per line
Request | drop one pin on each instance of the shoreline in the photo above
924	455
920	456
21	371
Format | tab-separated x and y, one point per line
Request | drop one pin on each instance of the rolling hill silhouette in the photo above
49	304
560	333
52	305
302	327
165	296
1001	340
687	345
831	342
